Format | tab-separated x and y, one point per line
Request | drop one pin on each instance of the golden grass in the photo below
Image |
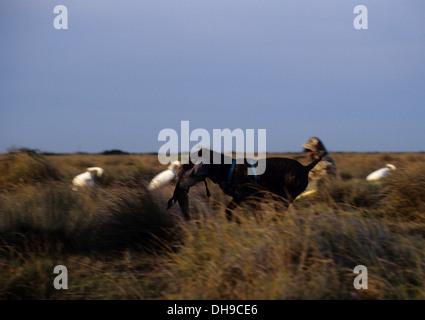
121	243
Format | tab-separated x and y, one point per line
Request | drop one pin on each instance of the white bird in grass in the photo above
164	177
86	179
381	173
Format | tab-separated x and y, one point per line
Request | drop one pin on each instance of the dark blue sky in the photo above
125	70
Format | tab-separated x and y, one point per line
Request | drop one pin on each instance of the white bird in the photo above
86	179
381	173
164	177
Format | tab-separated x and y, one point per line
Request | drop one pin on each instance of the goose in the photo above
165	177
381	173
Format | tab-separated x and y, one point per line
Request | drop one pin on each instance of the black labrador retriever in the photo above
284	177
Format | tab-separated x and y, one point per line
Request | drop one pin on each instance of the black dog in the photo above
284	177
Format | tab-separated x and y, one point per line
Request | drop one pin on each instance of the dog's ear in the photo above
205	154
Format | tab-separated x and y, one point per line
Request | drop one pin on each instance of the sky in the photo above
125	70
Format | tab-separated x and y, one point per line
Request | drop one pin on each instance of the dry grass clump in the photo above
49	224
109	220
50	212
303	256
25	167
130	218
405	191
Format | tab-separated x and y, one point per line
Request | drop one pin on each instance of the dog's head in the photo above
189	175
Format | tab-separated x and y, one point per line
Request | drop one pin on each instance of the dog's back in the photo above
286	177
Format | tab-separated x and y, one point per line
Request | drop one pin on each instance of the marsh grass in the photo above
405	193
303	256
120	242
25	167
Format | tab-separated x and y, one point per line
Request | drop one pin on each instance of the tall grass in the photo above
119	242
405	193
303	256
118	218
25	167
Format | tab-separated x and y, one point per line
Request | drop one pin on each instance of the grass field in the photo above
119	242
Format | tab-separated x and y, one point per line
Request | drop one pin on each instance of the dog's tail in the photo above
314	162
